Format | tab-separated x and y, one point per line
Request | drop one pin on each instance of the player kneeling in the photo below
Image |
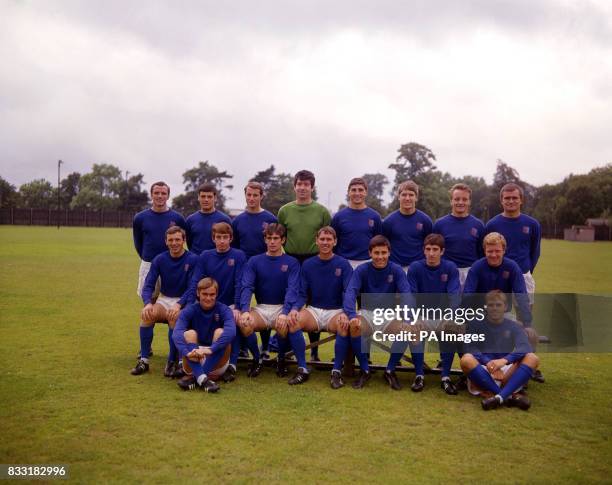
324	278
203	335
500	364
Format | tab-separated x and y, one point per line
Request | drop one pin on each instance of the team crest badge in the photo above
186	267
390	278
474	232
264	225
172	223
338	271
217	317
444	277
507	334
230	262
419	226
525	229
506	275
371	222
284	268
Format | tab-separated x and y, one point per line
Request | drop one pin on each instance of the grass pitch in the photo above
69	334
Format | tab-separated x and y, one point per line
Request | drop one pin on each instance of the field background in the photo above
69	334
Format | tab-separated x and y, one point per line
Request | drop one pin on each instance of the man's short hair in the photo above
327	230
434	239
207	282
510	187
275	229
304	175
460	186
496	295
207	187
174	229
222	228
379	240
494	238
408	185
252	184
358	181
161	183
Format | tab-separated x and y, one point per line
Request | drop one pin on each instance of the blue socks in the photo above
299	347
361	356
146	339
447	363
173	352
517	380
341	347
251	342
235	350
283	346
417	351
481	377
397	351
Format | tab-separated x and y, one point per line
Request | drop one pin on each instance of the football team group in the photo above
308	273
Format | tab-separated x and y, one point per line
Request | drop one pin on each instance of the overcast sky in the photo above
332	86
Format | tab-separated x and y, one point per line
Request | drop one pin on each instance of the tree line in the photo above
569	202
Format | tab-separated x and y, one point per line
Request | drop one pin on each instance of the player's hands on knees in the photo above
246	319
147	312
281	323
356	323
174	311
293	317
196	354
343	321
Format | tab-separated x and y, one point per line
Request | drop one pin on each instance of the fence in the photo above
67	217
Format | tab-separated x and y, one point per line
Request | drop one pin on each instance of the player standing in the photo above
199	224
356	224
174	268
303	218
407	227
462	232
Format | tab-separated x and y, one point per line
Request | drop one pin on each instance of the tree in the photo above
38	194
69	188
8	194
415	162
99	189
376	189
205	172
278	188
132	196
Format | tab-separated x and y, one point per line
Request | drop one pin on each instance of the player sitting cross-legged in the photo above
174	268
274	277
323	279
502	363
203	334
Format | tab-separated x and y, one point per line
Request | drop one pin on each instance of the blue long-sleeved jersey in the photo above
406	235
205	322
199	229
226	268
354	229
438	281
506	340
368	279
523	236
248	231
149	231
507	277
462	238
175	273
275	280
324	281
